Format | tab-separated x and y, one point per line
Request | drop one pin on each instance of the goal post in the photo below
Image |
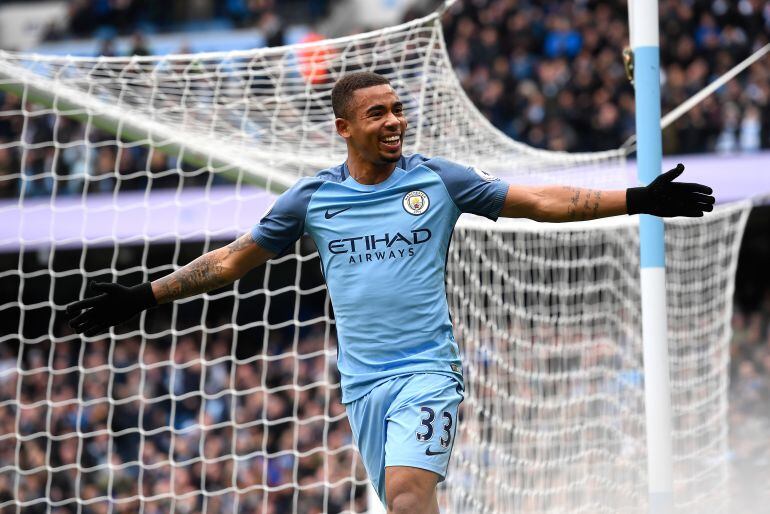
643	18
229	402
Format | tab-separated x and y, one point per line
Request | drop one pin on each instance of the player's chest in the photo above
411	215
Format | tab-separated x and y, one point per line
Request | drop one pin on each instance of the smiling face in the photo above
375	125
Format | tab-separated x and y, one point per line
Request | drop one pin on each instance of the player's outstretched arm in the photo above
116	304
663	197
211	270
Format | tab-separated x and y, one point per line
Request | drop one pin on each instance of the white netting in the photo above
267	111
550	323
113	169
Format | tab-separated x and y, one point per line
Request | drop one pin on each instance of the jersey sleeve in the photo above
284	222
472	190
411	161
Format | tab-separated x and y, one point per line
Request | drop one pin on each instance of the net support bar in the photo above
653	261
630	144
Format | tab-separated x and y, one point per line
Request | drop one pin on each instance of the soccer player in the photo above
382	222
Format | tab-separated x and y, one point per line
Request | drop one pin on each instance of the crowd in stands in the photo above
79	161
108	18
546	73
139	424
550	73
127	440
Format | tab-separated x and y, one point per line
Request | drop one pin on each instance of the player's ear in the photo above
343	127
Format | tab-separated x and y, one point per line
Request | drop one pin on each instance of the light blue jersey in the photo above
383	251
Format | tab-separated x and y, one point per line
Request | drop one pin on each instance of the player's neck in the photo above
368	173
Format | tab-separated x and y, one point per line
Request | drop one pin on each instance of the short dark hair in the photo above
342	92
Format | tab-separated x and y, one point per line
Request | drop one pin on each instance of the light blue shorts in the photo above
409	420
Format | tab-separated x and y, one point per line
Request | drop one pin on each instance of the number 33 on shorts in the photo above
426	430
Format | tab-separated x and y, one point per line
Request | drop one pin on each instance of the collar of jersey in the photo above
351	182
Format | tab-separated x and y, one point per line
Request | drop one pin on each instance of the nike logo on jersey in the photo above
330	215
429	452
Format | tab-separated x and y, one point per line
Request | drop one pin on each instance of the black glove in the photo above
665	198
115	305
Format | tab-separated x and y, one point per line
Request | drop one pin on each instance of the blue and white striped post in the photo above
643	18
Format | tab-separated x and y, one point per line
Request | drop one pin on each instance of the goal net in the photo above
124	169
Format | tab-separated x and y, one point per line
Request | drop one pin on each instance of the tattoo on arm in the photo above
239	244
573	202
590	207
205	273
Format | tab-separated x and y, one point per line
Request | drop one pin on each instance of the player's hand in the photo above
115	304
665	198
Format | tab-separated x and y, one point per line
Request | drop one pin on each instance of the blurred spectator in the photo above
139	45
9	166
107	47
562	39
272	28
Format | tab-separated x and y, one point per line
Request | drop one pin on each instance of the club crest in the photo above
416	202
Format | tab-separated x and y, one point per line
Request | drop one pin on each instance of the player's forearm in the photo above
662	197
205	273
210	271
563	203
